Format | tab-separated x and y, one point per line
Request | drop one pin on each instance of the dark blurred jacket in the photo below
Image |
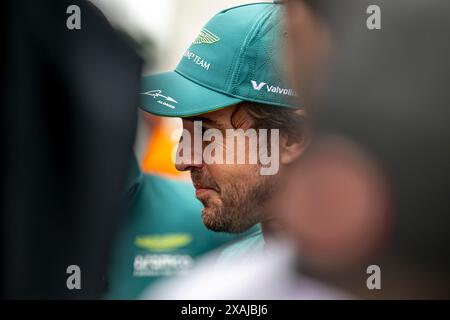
68	113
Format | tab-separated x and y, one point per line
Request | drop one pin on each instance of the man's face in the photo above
234	194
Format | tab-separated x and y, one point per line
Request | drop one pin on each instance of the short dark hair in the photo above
266	116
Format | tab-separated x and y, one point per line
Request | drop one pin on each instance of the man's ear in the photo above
293	145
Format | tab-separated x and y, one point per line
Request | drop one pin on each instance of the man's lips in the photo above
199	189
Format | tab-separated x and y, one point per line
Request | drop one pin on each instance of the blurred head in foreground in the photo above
378	173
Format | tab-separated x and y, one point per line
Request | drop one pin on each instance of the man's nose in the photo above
185	160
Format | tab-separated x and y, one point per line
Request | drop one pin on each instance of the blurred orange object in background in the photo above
158	152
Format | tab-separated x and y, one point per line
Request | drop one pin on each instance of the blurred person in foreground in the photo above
67	119
372	188
230	79
385	125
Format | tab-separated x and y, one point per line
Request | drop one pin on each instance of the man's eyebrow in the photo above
205	120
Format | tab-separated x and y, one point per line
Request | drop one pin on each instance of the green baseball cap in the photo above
236	57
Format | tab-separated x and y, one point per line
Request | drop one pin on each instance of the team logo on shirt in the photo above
160	262
157	265
207	37
163	242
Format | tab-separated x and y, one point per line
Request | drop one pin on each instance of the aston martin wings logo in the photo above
206	36
163	242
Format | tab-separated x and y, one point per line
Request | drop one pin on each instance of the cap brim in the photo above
170	94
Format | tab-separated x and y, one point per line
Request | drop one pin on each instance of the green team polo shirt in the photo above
242	249
162	235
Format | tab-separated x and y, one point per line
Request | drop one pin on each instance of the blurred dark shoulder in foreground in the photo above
68	113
